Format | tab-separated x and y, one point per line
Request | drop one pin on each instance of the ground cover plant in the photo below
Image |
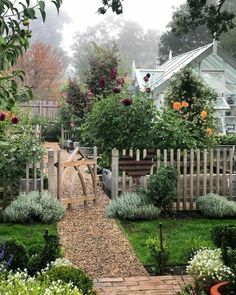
180	235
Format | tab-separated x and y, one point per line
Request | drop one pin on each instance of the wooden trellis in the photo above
81	160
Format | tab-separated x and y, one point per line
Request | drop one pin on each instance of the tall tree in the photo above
185	42
14	39
132	41
44	67
200	12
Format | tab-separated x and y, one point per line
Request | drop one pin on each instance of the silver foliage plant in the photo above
131	206
33	207
213	205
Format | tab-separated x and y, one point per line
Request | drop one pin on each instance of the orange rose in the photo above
203	115
185	104
209	131
177	105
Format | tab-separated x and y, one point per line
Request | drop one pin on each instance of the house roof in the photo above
177	63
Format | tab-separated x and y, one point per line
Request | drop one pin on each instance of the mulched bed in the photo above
92	241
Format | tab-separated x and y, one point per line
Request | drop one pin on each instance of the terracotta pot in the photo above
215	289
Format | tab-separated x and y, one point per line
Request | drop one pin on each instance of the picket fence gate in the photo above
54	168
199	172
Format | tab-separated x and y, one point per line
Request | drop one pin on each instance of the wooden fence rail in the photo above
199	172
48	109
54	170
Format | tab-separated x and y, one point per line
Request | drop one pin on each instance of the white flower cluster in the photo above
22	284
207	264
61	262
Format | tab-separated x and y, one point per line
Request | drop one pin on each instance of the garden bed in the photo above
180	235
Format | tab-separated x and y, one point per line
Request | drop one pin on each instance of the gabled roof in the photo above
177	63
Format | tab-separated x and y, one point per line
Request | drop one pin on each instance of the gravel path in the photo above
92	241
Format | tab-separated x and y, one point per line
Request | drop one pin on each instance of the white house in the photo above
212	63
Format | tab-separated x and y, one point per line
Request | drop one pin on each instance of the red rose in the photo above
15	120
120	81
127	101
116	89
2	116
102	81
148	89
113	74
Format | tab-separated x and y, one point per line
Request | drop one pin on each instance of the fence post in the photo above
59	174
95	173
115	173
51	173
62	134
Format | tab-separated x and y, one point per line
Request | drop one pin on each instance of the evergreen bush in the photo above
213	205
33	207
131	206
161	187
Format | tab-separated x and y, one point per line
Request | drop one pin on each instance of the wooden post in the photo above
165	157
27	178
185	178
178	180
59	174
51	173
115	173
62	134
191	177
224	172
231	158
158	159
123	175
41	174
211	170
95	173
204	172
218	171
198	172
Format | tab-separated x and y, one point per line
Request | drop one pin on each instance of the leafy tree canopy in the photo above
211	13
15	18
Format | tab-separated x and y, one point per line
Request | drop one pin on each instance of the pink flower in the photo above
145	78
64	94
2	116
15	120
102	81
113	74
127	101
116	89
90	94
120	81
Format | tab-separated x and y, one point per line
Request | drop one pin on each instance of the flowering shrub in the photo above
18	146
207	266
131	206
22	283
61	262
190	97
33	207
216	206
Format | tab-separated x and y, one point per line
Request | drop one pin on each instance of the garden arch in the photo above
77	160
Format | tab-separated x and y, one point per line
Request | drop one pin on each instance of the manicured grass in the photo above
30	235
178	234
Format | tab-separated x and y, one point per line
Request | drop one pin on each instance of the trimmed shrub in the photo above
19	254
33	207
161	188
224	235
70	274
131	206
216	206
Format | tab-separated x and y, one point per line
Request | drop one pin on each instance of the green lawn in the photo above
178	234
30	235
